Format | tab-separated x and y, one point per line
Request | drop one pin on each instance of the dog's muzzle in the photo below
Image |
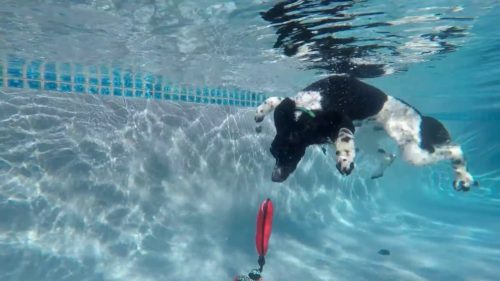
280	174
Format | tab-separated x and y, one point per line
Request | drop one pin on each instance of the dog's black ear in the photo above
284	116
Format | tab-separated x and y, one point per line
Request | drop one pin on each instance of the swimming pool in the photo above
106	187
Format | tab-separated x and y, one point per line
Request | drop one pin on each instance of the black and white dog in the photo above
324	112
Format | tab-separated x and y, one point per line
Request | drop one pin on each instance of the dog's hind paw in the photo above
377	175
463	182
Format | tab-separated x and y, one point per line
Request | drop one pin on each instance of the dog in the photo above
326	111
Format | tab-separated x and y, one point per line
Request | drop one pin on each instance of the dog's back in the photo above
349	96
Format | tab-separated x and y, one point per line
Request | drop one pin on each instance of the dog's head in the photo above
288	146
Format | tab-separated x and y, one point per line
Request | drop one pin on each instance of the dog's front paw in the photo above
464	181
267	106
345	162
259	118
344	144
260	113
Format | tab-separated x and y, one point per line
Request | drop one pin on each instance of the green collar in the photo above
306	110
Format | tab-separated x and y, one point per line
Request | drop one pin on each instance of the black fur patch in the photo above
284	116
349	96
432	134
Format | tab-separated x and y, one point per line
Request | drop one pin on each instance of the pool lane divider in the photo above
18	73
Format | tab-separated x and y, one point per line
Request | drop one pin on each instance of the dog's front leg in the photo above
266	107
345	151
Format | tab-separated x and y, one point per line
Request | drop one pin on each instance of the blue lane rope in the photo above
18	73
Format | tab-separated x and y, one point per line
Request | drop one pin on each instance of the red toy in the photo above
262	235
264	227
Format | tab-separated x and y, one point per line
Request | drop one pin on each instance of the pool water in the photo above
112	188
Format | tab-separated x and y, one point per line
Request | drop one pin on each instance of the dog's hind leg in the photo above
414	154
435	145
267	107
463	179
436	140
